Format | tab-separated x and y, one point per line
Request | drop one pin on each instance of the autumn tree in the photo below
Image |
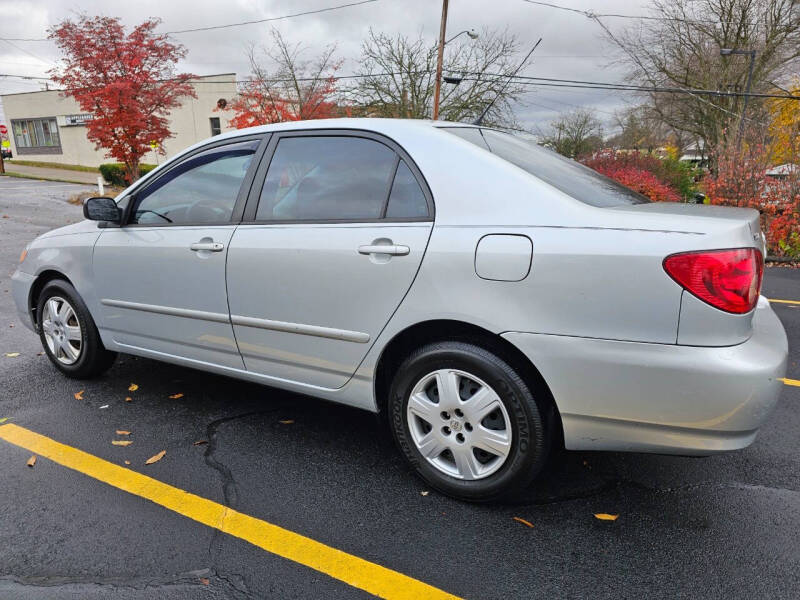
292	89
679	47
127	81
785	127
397	77
575	133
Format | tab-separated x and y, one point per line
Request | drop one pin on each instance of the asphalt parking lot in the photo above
720	527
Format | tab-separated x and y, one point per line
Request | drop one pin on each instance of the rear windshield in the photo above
569	176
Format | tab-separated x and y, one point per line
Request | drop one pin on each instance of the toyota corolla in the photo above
490	298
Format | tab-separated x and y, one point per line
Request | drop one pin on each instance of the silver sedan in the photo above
492	300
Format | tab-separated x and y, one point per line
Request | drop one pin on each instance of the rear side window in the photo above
569	176
326	178
406	201
201	189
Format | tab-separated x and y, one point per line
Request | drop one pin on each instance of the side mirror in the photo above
102	208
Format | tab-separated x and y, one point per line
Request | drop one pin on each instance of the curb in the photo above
42	178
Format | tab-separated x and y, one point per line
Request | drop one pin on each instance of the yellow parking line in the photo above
784	301
350	569
794	382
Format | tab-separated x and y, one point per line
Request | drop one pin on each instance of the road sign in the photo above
3	129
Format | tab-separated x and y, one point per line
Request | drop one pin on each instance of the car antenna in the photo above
479	120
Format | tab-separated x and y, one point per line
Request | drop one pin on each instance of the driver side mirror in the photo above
102	208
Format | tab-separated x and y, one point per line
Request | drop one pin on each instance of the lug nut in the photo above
445	415
460	437
446	430
468	426
459	413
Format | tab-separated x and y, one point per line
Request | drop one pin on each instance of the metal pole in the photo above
439	59
747	96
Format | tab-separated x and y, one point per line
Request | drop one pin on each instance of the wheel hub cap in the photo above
62	330
459	424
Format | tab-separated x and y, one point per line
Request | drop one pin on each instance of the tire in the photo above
518	429
68	333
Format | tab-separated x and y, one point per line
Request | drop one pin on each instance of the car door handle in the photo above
394	250
210	246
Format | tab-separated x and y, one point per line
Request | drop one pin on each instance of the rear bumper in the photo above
630	396
21	283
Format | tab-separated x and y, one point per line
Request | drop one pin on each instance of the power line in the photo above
228	25
594	15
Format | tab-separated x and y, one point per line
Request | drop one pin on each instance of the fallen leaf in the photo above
40	354
128	399
104	406
204	580
606	517
200	442
286	421
12	354
123	432
176	396
121	442
523	521
424	493
133	387
4	419
155	458
79	395
31	461
127	462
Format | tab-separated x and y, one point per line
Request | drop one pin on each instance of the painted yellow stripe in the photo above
355	571
784	301
794	382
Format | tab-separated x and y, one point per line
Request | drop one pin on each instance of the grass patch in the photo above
40	178
50	165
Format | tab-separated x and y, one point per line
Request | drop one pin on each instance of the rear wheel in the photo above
68	333
467	422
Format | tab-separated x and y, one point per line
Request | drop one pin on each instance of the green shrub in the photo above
114	173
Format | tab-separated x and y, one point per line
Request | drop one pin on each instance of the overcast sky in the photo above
572	46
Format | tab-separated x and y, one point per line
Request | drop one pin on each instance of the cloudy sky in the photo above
572	46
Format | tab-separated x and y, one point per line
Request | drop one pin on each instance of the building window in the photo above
33	136
215	126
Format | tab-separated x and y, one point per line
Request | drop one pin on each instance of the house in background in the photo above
46	126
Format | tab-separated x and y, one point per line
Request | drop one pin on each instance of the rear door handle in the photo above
394	250
210	246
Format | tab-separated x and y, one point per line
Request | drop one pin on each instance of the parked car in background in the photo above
490	298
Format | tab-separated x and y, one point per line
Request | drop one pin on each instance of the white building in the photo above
46	126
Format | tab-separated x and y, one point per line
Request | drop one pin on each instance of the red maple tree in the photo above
126	81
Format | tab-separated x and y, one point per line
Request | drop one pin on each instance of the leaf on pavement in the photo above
79	395
127	462
176	396
523	521
605	517
204	580
121	442
12	354
133	387
123	432
104	406
31	461
155	458
424	493
128	399
3	420
286	421
200	442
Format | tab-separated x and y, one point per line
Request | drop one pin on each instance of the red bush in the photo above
636	171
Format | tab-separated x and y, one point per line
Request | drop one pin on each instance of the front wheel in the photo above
68	332
467	422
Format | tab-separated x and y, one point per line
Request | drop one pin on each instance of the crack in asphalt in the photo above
136	583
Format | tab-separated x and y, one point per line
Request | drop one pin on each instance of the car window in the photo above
326	178
406	199
201	189
567	175
471	134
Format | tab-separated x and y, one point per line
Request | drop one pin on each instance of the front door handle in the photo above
394	249
209	246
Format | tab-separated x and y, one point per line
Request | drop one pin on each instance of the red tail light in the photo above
726	279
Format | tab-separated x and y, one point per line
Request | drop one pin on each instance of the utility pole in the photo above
439	59
752	55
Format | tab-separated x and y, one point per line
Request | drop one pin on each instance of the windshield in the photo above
569	176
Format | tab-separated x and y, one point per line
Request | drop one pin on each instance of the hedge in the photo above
114	173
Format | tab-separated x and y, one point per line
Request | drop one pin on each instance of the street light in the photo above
752	55
438	86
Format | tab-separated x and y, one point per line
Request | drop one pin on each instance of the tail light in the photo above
726	279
